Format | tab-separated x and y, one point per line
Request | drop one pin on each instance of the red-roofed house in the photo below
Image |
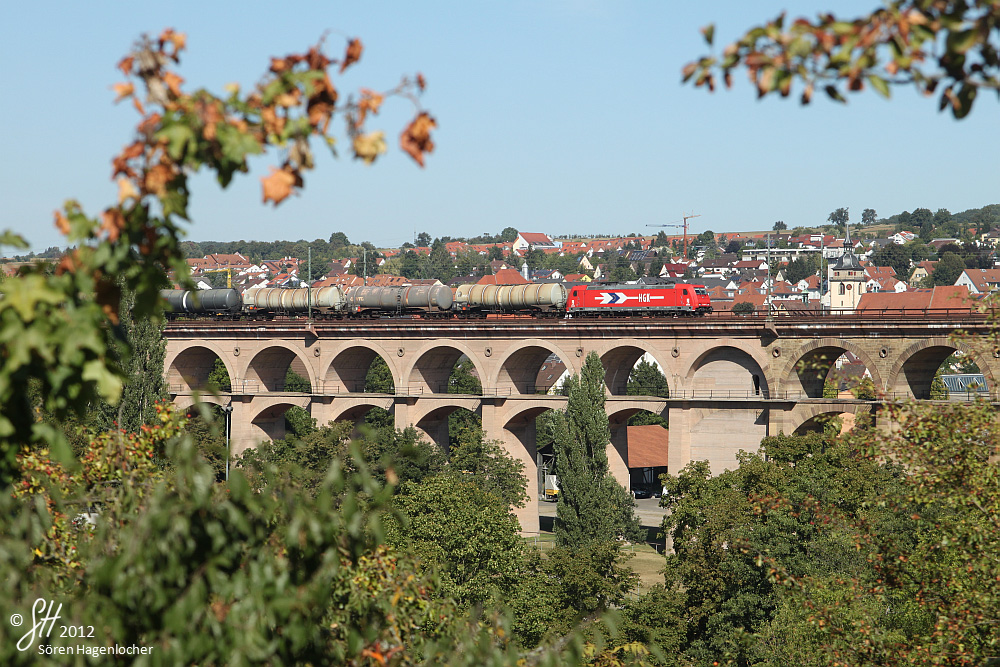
503	277
949	296
534	240
980	281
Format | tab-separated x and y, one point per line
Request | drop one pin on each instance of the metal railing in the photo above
253	387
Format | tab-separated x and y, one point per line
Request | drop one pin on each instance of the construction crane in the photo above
228	272
684	225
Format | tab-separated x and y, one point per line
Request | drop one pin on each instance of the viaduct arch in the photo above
732	381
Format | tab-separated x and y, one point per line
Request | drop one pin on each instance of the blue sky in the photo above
566	117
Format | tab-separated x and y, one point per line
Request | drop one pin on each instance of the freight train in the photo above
439	301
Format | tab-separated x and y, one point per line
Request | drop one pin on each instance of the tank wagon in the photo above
219	302
480	300
426	300
270	301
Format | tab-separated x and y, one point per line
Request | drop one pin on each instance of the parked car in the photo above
642	492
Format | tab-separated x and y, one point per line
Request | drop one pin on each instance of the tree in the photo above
423	240
732	530
948	269
933	585
646	379
939	391
894	255
661	240
743	308
869	216
839	217
508	235
470	535
486	464
779	226
144	386
339	240
892	46
593	506
734	247
800	268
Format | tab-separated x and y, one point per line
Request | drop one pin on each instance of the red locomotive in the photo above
630	300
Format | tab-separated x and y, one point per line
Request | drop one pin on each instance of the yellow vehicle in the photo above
551	488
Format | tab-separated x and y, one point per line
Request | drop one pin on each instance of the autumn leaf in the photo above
126	191
173	82
371	101
352	55
277	186
367	147
321	103
421	82
125	65
113	222
156	179
416	138
109	296
62	223
122	90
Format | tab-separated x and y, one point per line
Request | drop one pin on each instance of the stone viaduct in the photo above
732	380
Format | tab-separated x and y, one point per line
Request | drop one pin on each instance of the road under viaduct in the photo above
732	380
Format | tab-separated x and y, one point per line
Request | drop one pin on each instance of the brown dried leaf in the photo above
277	186
367	147
156	179
416	138
321	104
62	223
273	124
113	222
371	101
421	82
173	82
125	65
126	191
352	55
109	296
288	99
122	90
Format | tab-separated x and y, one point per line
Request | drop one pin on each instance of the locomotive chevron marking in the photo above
620	297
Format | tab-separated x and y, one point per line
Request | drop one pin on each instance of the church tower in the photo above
846	278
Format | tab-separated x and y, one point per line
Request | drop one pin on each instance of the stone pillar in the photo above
679	452
242	433
518	440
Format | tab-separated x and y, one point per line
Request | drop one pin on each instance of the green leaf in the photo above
834	94
880	85
109	385
961	41
8	237
179	136
709	33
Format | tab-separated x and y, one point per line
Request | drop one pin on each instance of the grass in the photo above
645	560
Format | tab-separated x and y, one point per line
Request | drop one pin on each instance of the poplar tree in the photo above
142	362
593	506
